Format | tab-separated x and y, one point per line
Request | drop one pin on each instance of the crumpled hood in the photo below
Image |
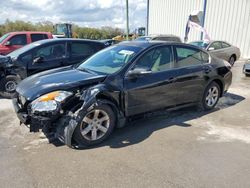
66	78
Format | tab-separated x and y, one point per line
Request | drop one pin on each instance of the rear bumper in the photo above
227	81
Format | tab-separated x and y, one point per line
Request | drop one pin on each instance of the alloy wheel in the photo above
212	96
10	86
95	125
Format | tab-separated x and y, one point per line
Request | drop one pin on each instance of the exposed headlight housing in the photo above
50	101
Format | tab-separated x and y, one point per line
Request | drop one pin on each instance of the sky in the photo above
90	13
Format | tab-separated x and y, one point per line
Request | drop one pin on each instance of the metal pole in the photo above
204	15
147	16
127	33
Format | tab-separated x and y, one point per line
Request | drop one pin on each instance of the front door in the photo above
15	42
154	90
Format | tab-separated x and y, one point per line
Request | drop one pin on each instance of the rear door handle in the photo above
172	79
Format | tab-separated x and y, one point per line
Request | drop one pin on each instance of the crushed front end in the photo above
43	112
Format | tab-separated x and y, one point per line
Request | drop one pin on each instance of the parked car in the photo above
110	42
246	68
220	49
14	40
83	104
40	56
171	38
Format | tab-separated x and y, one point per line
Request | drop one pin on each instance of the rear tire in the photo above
211	96
232	60
8	86
95	126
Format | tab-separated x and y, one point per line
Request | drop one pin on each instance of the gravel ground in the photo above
185	148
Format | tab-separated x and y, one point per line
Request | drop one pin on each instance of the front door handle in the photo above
172	79
207	70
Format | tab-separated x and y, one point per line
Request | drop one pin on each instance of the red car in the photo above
14	40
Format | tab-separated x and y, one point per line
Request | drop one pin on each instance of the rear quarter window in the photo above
225	45
37	37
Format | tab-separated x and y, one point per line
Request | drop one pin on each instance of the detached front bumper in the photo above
21	114
35	122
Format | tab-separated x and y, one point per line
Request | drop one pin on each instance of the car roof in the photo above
151	43
29	32
147	44
65	39
162	35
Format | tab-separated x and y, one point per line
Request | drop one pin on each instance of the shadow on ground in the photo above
140	129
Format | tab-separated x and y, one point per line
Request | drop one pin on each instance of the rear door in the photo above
155	90
80	50
52	55
190	66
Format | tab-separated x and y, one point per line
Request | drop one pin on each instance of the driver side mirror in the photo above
8	43
37	60
211	49
138	72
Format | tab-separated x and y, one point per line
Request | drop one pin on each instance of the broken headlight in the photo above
50	101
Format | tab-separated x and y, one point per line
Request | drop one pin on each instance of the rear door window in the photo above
51	52
215	45
37	37
20	39
82	49
187	56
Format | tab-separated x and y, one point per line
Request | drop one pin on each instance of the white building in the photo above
227	20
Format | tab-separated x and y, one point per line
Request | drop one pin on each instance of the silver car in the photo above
246	68
161	37
220	49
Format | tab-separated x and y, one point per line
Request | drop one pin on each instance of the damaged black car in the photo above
82	105
40	56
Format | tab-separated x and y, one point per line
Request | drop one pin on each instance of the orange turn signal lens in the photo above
49	96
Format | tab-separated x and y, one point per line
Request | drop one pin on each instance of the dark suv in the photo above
40	56
83	104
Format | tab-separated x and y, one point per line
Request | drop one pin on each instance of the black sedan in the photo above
82	105
40	56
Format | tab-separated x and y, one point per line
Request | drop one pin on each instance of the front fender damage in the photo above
89	98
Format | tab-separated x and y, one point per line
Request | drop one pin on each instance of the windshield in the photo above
19	51
143	39
200	44
110	60
4	37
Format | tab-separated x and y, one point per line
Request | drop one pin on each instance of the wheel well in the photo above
234	55
219	82
111	102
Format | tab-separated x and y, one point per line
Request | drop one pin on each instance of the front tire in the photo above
8	86
211	96
95	126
